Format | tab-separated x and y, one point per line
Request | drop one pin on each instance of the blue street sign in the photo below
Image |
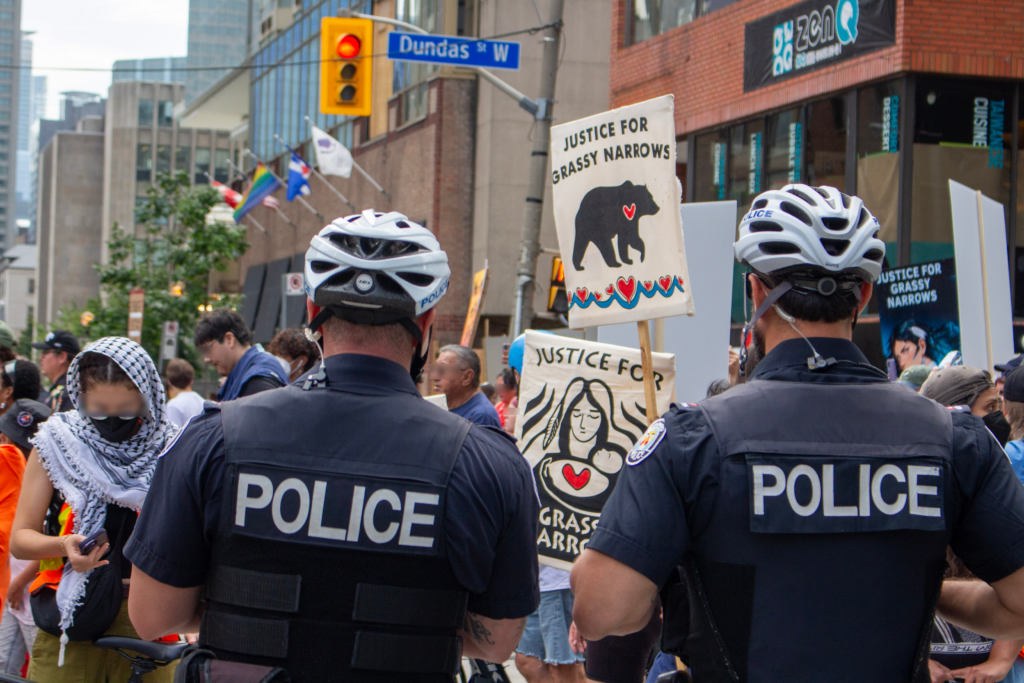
416	47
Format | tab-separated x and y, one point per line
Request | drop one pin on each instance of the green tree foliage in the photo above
170	256
24	347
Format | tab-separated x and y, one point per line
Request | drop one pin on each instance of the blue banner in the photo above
415	47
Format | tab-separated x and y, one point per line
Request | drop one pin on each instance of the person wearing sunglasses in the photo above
100	459
18	379
59	347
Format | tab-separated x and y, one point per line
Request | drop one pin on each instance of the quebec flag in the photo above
298	177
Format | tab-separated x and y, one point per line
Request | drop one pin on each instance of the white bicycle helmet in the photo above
812	229
375	269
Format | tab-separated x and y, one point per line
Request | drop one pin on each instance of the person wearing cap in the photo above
402	537
1013	408
914	376
810	508
7	343
1005	369
972	390
59	348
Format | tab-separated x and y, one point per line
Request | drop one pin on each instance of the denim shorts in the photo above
546	635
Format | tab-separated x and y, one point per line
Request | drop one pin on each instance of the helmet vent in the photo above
863	218
322	266
796	211
874	255
389	285
418	279
835	247
846	199
341	279
760	203
825	196
777	248
835	224
401	224
765	226
369	248
398	248
804	196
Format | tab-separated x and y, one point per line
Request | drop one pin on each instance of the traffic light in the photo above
557	300
346	66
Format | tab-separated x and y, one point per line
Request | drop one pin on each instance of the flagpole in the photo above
365	174
283	184
276	208
318	175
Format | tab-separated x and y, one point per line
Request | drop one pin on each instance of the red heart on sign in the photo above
648	285
597	296
627	288
581	294
577	481
680	281
630	211
610	290
665	282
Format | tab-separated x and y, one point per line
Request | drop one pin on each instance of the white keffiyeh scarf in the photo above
91	472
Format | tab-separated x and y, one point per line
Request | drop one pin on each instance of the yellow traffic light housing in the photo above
558	302
346	66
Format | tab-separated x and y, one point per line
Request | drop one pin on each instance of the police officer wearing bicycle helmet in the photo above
810	508
345	529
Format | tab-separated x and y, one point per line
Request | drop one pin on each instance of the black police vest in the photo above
330	557
825	550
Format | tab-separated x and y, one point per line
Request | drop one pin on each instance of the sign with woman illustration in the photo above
582	410
616	205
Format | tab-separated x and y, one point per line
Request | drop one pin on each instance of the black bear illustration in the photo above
609	211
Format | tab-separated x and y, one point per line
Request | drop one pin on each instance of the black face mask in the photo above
117	429
997	424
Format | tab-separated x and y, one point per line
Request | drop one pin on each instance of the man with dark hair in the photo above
182	402
345	529
224	341
456	374
59	348
818	495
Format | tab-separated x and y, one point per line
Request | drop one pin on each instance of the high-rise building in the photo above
31	108
25	91
38	97
159	69
10	85
219	34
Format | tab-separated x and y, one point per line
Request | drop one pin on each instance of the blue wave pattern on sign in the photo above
415	47
622	301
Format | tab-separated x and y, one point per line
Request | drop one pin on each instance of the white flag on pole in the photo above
332	156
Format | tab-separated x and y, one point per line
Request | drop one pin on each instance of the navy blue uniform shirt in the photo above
491	516
479	410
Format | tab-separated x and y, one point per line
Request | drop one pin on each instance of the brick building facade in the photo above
935	96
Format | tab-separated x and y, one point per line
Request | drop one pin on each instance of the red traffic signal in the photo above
348	46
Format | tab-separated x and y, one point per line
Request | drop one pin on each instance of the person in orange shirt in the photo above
17	630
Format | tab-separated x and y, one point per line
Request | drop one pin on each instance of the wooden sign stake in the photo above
984	285
648	367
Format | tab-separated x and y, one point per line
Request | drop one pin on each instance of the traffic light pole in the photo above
541	109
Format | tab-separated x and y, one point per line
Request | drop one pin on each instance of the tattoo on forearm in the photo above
476	628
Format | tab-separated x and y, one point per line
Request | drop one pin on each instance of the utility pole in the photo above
534	210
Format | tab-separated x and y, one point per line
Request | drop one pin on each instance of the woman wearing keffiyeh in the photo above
100	458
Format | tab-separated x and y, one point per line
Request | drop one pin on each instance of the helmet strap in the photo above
419	358
768	302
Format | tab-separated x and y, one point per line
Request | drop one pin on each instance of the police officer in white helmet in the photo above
345	528
806	513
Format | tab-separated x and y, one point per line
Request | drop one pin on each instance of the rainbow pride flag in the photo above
263	184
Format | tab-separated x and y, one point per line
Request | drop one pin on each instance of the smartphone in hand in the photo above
97	538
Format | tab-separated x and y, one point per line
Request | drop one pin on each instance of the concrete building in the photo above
219	34
157	69
11	81
70	212
142	138
18	277
452	151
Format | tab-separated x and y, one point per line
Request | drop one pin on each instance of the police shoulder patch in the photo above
647	443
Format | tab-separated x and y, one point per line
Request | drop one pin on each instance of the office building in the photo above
219	35
11	82
18	277
452	152
157	69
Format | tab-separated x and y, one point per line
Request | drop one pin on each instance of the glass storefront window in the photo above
220	166
879	111
785	141
165	114
710	167
746	158
202	164
961	134
143	162
825	153
653	17
163	158
183	159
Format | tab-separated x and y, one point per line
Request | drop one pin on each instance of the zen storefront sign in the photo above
812	35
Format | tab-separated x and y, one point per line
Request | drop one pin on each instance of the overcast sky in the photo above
73	33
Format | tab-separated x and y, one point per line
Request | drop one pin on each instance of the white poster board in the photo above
614	195
581	408
986	335
700	343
